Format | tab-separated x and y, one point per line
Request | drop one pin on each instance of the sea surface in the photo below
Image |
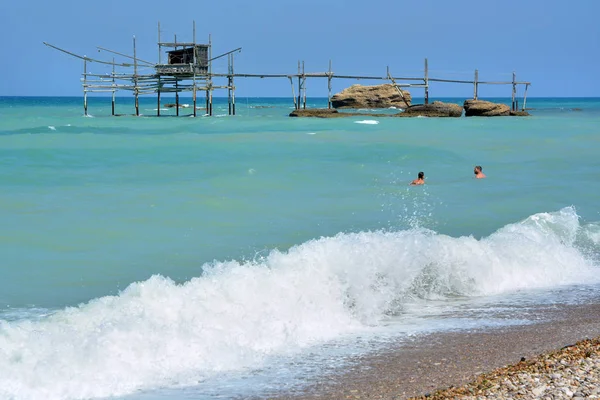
234	256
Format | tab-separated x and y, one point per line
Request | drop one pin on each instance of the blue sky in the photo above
553	44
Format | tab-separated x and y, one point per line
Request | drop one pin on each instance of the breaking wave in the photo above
157	333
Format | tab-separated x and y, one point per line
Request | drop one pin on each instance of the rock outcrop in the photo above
519	113
435	109
481	108
317	112
379	96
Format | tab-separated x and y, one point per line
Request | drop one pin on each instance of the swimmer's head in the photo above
477	169
421	175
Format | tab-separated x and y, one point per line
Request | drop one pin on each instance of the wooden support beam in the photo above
114	89
525	97
194	91
304	85
426	79
177	97
229	84
293	93
475	85
136	90
514	92
232	85
329	86
158	98
85	106
299	86
159	47
397	88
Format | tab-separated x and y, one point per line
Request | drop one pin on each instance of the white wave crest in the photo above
158	333
367	122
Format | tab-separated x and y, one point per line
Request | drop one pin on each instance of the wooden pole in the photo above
232	85
525	96
299	86
176	83
390	77
177	97
210	101
293	93
228	84
194	90
114	89
85	108
158	98
159	46
426	82
135	79
194	61
329	87
475	85
514	92
304	84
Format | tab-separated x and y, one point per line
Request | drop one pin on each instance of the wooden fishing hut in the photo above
188	68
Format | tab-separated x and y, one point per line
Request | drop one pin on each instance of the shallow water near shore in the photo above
155	258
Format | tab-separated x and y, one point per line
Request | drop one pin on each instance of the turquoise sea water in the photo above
220	256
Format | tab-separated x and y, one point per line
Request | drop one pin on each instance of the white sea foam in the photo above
158	333
52	128
367	122
311	133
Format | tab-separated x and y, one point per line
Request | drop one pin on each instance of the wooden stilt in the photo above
158	99
177	97
304	85
158	80
114	90
194	61
426	82
525	96
232	85
329	75
514	92
159	45
194	92
390	77
85	107
209	80
135	79
229	56
475	85
299	86
293	93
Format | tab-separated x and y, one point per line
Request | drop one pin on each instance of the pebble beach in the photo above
572	372
556	359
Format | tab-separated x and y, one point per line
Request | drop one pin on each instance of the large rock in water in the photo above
435	109
316	112
481	108
379	96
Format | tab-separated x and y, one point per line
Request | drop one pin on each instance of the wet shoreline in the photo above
436	361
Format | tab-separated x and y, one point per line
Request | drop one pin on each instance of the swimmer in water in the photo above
420	179
478	172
